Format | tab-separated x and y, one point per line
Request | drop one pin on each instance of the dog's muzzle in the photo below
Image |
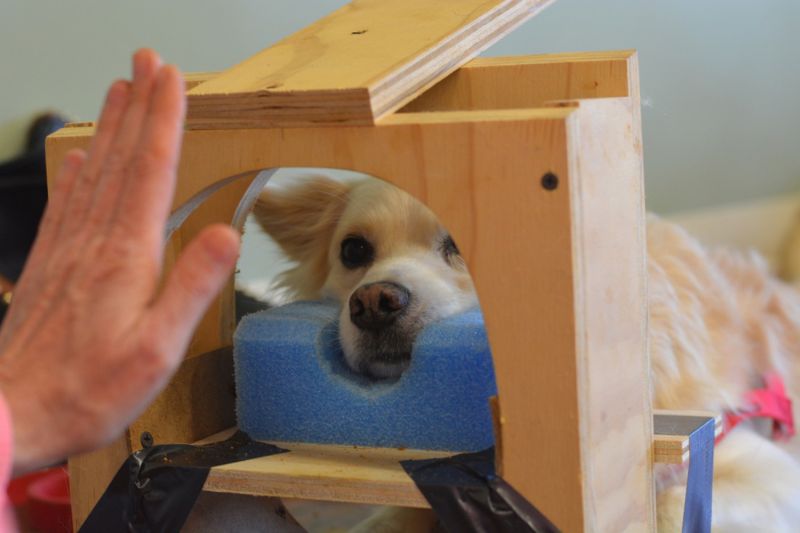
375	306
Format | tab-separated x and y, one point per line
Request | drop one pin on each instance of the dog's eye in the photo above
356	252
448	248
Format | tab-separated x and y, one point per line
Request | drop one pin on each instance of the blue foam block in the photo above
293	384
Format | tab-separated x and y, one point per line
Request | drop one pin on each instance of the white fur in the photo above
424	276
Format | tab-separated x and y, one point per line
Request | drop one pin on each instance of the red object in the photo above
768	402
43	498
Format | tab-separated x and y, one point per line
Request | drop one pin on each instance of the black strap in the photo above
155	489
467	495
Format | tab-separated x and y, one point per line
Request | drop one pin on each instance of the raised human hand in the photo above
91	335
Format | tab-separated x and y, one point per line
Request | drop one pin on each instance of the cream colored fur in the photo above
311	220
718	321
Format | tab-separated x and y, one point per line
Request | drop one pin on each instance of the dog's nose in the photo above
376	305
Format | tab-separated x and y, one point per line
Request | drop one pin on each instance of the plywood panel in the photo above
90	474
216	326
672	430
514	82
480	173
614	376
519	82
325	472
198	402
355	65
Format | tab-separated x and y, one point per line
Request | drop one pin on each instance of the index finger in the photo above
150	189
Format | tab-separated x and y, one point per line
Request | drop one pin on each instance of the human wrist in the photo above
7	444
21	426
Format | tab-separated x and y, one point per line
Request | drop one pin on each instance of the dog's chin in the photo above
384	366
378	355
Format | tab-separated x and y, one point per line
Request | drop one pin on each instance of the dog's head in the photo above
377	250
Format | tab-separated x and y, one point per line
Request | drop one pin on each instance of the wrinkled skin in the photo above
91	336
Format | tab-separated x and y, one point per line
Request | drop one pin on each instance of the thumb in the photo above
197	277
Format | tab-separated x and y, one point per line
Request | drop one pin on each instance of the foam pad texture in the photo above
294	385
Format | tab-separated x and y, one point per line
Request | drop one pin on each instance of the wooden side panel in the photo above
198	402
355	65
520	82
610	277
90	474
480	172
215	328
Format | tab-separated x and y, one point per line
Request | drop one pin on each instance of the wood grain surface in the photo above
355	65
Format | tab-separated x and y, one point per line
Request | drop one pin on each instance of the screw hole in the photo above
550	181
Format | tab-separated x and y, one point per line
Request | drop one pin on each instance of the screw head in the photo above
146	439
549	181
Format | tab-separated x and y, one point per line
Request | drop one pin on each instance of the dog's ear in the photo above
302	218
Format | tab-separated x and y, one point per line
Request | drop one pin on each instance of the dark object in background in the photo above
246	304
23	195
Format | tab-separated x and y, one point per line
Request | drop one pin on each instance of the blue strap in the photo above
697	510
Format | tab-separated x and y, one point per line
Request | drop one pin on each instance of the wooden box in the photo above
534	164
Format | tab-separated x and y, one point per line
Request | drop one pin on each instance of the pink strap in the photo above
768	402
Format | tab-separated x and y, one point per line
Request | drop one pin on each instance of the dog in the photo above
377	250
718	323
